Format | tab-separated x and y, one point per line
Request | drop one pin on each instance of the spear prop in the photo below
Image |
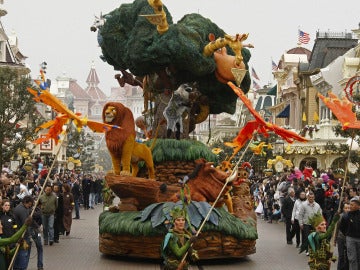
346	169
37	201
332	241
229	179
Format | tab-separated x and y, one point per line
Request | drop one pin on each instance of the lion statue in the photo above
123	148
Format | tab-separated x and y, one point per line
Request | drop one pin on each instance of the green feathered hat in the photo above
177	212
316	219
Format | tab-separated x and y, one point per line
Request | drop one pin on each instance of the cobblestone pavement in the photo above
80	251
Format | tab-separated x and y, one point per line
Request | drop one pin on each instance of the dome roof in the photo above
300	50
297	50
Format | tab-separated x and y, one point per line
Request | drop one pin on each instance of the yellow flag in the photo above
304	117
316	117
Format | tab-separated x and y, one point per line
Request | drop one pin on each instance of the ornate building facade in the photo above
10	55
329	66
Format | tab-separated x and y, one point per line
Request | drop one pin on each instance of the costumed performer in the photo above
5	252
177	242
320	253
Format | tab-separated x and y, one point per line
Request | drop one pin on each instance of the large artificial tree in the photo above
165	61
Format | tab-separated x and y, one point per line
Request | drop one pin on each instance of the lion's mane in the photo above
116	138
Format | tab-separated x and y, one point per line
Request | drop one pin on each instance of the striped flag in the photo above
256	85
316	117
274	67
253	73
304	37
304	117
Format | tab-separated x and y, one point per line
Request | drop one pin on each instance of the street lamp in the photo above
279	147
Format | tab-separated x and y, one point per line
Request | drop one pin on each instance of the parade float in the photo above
179	66
187	71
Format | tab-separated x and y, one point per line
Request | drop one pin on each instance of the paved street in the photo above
80	251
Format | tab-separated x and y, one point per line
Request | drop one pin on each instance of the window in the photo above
97	110
267	102
259	104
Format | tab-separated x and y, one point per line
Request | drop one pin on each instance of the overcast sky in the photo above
58	32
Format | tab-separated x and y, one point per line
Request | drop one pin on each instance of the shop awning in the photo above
272	91
285	113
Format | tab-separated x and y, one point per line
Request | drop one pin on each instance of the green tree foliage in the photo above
103	158
184	150
129	41
129	223
81	146
16	105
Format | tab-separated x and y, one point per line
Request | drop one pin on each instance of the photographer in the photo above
13	190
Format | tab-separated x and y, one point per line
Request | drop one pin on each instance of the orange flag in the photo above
259	125
342	109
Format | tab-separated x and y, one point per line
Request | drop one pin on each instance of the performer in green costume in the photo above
5	253
319	242
177	242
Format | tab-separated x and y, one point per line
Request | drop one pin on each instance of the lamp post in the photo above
279	147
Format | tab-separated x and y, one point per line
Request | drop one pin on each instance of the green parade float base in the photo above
124	234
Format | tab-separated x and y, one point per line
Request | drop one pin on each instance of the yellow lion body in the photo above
121	143
142	152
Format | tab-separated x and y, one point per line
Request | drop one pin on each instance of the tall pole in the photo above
346	169
229	179
37	200
332	241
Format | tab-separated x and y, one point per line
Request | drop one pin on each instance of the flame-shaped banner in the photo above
64	114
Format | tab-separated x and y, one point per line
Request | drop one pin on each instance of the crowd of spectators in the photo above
292	197
51	196
295	196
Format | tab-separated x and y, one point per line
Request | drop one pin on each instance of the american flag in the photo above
304	37
274	67
256	85
253	73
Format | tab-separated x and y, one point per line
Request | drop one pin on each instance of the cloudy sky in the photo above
58	32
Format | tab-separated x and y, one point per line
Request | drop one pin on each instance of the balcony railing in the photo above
334	35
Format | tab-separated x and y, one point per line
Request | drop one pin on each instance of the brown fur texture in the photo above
121	142
207	184
141	152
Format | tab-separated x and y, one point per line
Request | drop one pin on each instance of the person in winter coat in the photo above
350	227
7	220
75	190
5	252
59	213
68	205
49	203
286	211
